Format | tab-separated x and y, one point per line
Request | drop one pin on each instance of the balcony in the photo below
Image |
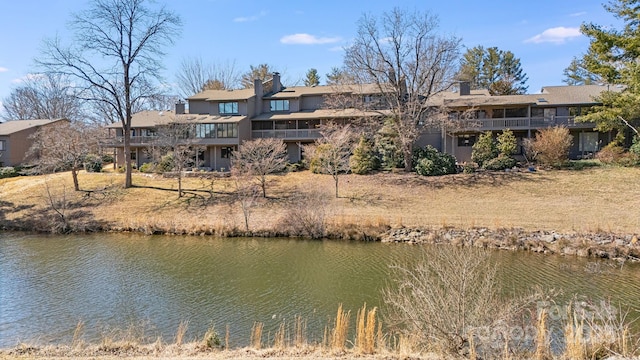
525	123
118	141
299	134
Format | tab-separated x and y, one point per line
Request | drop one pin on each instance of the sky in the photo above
294	36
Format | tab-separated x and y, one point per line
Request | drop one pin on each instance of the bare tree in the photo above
63	146
115	56
330	154
246	195
409	63
43	96
176	140
262	72
259	158
195	76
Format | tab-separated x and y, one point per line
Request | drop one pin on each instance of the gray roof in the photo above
223	95
153	118
549	96
320	114
14	126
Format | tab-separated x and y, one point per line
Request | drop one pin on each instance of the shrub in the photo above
107	158
551	146
507	143
93	163
315	160
500	163
469	167
484	149
614	154
147	167
165	164
364	159
386	146
7	172
430	162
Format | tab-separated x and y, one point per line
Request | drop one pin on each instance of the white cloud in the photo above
306	39
3	69
250	18
556	35
577	14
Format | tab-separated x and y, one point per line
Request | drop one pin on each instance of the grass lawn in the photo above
589	200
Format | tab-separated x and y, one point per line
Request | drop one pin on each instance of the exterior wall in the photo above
294	105
244	131
16	147
201	107
293	152
311	102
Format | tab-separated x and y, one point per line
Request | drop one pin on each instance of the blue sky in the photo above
293	36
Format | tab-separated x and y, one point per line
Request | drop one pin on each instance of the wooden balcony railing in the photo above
521	123
293	134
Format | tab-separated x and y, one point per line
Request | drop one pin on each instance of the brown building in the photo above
15	139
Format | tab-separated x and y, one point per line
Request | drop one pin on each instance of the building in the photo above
223	119
15	139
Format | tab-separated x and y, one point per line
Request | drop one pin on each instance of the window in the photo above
285	124
308	124
1	145
588	142
226	152
262	125
228	108
466	140
279	105
516	112
497	114
205	131
537	112
228	130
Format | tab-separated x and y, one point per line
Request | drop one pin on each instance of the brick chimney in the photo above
180	107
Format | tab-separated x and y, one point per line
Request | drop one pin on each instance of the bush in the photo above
364	159
430	162
551	146
107	158
484	149
635	148
469	167
315	161
148	167
165	164
507	143
8	171
500	163
614	154
93	163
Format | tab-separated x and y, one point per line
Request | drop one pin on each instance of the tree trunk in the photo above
179	183
127	159
335	177
263	183
408	157
74	174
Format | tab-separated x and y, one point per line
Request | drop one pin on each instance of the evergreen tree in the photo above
364	159
312	78
496	70
613	56
576	74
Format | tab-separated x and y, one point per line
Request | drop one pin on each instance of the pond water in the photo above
152	283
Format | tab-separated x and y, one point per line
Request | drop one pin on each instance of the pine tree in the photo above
312	78
493	69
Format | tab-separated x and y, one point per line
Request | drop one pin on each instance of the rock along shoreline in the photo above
595	245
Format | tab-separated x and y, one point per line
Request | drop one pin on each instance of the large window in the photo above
1	145
308	124
262	125
588	142
228	130
285	124
516	112
279	105
228	107
205	131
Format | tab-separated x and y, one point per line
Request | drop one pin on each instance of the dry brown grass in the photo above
596	199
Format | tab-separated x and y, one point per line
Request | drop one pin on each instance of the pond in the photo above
152	283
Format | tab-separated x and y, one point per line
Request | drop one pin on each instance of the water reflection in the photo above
49	283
